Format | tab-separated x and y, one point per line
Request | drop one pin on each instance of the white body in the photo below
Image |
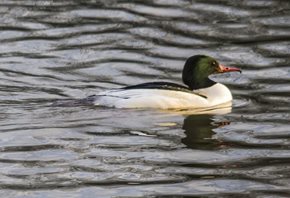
164	99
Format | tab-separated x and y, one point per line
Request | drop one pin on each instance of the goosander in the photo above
200	92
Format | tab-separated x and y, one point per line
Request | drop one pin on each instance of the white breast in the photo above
164	99
216	94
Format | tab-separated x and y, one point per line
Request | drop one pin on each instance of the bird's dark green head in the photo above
197	69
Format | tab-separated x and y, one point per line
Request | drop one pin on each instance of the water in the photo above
72	49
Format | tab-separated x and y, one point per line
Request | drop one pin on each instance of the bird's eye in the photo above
214	63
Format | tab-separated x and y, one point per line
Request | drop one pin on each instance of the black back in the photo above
160	85
164	86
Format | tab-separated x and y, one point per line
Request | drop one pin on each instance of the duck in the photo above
198	91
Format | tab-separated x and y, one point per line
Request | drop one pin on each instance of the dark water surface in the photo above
72	49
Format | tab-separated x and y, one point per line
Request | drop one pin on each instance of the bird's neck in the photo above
201	83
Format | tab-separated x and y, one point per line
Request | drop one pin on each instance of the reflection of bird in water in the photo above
199	132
